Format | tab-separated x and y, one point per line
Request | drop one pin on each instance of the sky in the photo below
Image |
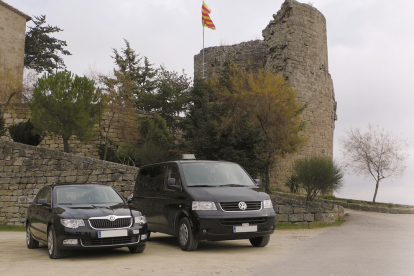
370	48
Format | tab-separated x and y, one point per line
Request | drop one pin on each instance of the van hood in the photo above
226	194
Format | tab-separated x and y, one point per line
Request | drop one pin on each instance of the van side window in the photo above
172	172
150	179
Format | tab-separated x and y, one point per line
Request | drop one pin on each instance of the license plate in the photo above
242	229
113	233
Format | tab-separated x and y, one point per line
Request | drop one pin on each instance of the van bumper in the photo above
214	229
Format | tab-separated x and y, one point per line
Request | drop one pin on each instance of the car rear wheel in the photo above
137	249
260	241
186	237
52	249
30	242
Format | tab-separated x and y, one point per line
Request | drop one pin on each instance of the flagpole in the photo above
203	48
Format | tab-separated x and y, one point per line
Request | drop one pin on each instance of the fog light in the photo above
70	241
135	231
204	231
143	237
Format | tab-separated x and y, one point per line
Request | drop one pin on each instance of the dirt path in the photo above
161	257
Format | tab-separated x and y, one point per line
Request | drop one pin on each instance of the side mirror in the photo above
43	202
258	182
130	199
171	184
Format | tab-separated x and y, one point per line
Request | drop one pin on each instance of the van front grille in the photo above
240	221
234	206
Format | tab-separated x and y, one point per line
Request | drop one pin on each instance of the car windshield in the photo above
216	174
87	195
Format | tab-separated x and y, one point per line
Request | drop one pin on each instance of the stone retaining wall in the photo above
401	209
305	213
26	169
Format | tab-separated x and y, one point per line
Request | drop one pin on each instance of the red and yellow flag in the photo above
206	20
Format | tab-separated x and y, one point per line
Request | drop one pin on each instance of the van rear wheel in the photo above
186	238
260	241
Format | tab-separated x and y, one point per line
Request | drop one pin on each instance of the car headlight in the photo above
140	220
267	203
203	205
72	223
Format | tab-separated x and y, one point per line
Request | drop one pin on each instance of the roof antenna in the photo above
216	156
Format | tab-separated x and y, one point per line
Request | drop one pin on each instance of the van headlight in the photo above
267	203
140	220
203	205
72	223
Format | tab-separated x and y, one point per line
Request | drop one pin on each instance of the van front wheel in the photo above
260	241
186	238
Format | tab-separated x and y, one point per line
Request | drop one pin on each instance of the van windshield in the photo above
216	175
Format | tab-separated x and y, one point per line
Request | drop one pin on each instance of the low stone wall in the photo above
26	169
398	209
305	213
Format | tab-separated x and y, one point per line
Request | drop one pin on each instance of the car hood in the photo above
85	211
226	194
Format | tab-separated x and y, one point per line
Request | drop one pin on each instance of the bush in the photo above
23	133
316	175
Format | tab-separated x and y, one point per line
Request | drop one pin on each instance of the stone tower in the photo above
294	44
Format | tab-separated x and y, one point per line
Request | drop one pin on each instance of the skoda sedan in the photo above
83	216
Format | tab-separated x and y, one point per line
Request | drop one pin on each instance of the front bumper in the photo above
88	238
215	229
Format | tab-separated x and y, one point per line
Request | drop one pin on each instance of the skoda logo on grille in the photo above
242	205
112	218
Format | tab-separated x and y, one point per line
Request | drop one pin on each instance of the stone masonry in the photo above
295	45
26	169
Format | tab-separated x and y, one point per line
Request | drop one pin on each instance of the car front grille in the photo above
240	221
110	241
105	223
234	206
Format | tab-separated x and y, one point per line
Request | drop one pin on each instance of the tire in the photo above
186	238
30	242
260	241
137	249
52	249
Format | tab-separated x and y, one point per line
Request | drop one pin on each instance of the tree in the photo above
316	175
203	136
41	52
269	103
65	104
168	99
131	77
376	153
22	133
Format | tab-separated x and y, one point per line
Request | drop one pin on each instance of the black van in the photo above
203	200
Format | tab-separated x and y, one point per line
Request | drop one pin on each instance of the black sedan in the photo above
82	216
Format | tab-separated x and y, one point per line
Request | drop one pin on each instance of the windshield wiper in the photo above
233	185
65	203
201	186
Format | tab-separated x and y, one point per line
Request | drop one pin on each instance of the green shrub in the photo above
316	175
23	133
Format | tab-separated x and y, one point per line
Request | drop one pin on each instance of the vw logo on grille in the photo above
112	218
242	205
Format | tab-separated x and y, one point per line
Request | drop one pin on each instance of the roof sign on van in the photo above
188	157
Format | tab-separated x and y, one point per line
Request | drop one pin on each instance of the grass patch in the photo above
312	226
12	228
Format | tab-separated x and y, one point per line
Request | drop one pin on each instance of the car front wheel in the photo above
137	249
260	241
186	237
52	249
30	242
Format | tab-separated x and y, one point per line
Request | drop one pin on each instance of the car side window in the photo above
172	172
40	195
48	195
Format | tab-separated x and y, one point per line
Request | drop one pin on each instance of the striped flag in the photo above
206	20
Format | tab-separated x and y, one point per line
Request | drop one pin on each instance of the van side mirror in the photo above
258	182
172	184
130	199
43	202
